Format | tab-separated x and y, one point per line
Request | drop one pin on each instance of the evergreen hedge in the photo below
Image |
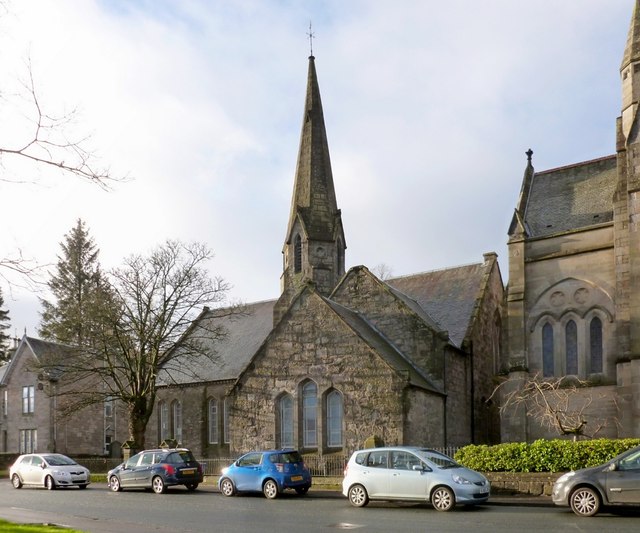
542	455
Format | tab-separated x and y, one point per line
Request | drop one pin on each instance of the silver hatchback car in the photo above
412	474
50	470
616	482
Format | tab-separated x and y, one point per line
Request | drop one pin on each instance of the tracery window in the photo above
309	415
334	419
213	421
547	350
285	421
571	344
595	344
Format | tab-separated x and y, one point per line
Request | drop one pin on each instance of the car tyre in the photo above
191	486
585	501
157	483
226	487
443	499
358	496
16	481
302	490
270	489
114	484
49	483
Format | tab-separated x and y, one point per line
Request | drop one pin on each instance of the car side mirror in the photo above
612	467
43	466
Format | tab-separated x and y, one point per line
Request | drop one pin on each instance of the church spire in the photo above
314	244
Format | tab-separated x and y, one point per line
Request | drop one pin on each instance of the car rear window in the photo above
286	457
181	457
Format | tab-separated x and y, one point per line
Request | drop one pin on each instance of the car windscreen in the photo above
58	460
286	457
181	457
437	458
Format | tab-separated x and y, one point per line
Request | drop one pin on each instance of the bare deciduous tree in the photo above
559	404
157	299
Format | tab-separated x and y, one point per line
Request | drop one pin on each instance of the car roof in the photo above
165	450
397	448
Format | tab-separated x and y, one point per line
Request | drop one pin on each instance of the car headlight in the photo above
460	480
60	473
225	470
565	477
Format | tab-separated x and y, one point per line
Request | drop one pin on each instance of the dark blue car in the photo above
157	470
269	472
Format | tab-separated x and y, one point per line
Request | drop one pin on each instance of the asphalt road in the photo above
99	510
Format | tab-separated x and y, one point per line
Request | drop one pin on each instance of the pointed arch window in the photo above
334	419
309	415
547	350
285	421
297	254
163	421
571	340
213	421
176	420
595	344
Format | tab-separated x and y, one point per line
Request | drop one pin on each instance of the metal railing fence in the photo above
319	465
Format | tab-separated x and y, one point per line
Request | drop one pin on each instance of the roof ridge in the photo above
573	165
465	265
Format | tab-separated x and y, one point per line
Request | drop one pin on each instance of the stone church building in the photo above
573	304
341	355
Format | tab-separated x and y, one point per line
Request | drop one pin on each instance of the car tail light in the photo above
200	469
169	470
279	467
346	468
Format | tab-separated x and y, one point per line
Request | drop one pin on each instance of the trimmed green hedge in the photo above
542	455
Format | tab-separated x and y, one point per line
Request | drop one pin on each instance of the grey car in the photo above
412	474
49	470
616	482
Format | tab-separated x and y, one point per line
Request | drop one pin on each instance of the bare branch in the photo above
48	143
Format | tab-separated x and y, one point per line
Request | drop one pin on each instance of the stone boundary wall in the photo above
530	483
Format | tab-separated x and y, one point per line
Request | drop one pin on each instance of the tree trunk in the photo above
138	418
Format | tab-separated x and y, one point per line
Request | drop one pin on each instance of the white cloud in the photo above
429	107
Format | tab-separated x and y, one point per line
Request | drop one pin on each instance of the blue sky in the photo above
429	108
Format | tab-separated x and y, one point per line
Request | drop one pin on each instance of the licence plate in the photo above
484	490
189	471
296	478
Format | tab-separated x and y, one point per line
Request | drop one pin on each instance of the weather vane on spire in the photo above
311	37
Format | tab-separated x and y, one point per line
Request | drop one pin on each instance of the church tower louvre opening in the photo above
314	245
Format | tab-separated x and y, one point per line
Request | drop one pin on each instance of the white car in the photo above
412	474
49	470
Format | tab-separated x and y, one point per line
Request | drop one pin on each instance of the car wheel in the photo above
49	483
191	486
302	490
226	487
16	481
585	501
114	484
270	489
443	499
158	486
358	496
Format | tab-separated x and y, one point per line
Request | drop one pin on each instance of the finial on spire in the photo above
529	153
311	36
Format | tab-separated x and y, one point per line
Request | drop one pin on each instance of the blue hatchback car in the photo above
269	472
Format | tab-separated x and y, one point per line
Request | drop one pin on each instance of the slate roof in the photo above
43	350
230	355
571	197
382	346
448	296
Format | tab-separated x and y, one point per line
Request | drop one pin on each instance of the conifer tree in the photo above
4	325
80	291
